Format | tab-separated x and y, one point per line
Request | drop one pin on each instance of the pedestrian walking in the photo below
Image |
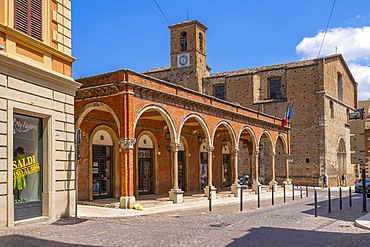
343	180
324	181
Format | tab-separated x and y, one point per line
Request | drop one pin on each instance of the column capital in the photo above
127	143
175	146
235	151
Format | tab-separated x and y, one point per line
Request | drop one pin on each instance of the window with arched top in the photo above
340	87
201	41
183	41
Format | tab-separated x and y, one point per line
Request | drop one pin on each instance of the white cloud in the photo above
352	43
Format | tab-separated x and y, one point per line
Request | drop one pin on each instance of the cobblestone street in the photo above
289	224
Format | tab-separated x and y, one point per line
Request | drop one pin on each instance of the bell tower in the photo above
188	54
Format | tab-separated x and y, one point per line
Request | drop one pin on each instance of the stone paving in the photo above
285	224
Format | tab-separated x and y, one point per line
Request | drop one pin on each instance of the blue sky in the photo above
110	35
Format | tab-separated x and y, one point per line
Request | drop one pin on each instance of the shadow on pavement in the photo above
20	240
68	221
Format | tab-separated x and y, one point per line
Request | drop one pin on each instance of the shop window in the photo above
274	88
183	41
219	91
27	166
28	17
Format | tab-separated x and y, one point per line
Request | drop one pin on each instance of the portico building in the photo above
142	135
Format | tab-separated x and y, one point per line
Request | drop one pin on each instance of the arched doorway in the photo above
146	176
341	158
182	166
102	165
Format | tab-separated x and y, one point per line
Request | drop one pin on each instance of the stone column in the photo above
273	183
127	199
256	183
209	175
175	194
288	181
250	181
235	186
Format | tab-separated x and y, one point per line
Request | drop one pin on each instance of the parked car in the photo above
368	191
358	185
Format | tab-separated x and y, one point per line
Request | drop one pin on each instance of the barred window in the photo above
28	17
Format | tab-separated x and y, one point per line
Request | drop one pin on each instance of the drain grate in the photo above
220	224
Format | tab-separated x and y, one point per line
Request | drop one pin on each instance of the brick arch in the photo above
269	138
202	123
166	116
96	106
284	143
229	127
252	134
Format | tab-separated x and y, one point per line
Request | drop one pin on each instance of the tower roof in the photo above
188	23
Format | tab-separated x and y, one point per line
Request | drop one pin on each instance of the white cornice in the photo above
39	76
35	43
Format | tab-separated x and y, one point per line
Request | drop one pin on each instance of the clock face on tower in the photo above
183	60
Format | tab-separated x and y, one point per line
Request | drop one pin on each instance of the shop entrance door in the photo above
102	171
181	164
27	167
145	171
226	170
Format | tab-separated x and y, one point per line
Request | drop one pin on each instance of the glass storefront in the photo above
27	166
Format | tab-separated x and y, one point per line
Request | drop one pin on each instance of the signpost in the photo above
78	156
357	141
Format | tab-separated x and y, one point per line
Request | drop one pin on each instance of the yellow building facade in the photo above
37	169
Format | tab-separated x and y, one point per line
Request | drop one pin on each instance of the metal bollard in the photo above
306	190
350	196
300	188
293	191
340	198
210	198
329	200
315	203
272	196
259	197
284	194
241	198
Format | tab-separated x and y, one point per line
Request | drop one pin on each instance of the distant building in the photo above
36	110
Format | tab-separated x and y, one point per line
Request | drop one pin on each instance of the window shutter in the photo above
36	19
28	17
21	13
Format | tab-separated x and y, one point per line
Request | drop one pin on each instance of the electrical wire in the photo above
327	26
162	12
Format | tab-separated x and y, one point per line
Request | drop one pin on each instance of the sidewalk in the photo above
153	204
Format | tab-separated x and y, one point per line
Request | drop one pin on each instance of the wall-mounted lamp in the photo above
167	136
200	139
244	144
